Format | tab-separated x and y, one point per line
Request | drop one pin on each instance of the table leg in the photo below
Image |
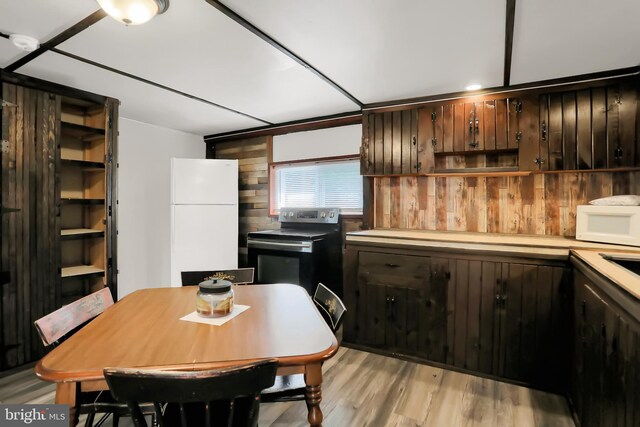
66	395
313	393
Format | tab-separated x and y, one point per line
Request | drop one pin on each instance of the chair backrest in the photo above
239	276
329	305
195	398
57	324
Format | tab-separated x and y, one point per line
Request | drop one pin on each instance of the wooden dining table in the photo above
144	330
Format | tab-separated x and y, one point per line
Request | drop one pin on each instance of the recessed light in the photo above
474	86
26	43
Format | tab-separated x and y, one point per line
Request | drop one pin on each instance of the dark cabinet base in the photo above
503	317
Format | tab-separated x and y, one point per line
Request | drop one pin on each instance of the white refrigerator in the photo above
204	216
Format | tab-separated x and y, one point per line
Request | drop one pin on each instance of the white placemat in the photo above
217	321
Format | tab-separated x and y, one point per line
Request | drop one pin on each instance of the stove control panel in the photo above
310	215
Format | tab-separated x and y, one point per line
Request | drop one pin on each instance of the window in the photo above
318	185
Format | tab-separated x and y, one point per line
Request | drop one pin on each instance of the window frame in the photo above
312	161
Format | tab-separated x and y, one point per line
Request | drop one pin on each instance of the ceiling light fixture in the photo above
133	12
26	43
474	86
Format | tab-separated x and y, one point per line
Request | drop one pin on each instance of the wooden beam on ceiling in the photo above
334	120
267	38
158	85
60	38
508	40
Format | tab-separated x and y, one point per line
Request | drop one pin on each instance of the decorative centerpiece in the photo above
214	298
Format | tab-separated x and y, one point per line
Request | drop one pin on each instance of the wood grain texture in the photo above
542	204
30	236
424	396
253	186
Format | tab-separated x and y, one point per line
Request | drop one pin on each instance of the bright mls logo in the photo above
34	415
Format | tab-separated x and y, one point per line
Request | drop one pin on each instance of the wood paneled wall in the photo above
253	157
30	235
542	204
253	163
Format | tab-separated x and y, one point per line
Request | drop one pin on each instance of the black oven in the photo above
307	249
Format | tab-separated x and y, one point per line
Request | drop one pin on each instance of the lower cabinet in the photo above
605	377
498	316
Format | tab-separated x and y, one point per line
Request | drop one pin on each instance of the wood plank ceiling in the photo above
210	67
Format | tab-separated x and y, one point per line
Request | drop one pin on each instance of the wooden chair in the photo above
288	388
55	326
58	325
226	396
239	276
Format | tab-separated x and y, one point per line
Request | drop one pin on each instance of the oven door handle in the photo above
290	246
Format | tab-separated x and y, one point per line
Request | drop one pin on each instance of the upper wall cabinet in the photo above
467	127
390	145
549	129
592	128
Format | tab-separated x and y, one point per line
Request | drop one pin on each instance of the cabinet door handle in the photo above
543	131
391	265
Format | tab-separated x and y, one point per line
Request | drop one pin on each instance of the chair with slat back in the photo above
288	388
56	326
238	276
226	396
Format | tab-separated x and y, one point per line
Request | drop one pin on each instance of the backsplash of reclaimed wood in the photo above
253	187
535	204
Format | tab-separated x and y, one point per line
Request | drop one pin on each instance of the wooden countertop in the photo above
507	243
622	277
547	247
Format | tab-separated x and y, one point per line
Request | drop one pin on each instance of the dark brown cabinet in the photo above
572	127
58	197
591	128
390	144
501	317
605	372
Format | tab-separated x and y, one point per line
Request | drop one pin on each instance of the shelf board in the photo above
80	233
81	270
85	133
86	165
70	201
475	171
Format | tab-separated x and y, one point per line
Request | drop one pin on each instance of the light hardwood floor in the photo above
364	389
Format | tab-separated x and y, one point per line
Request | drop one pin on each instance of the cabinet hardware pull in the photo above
419	165
518	136
413	140
543	131
434	141
473	144
539	160
618	153
391	265
393	299
7	104
433	117
517	106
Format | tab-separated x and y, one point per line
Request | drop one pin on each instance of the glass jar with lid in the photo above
214	298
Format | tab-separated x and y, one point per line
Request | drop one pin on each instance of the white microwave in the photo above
619	225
